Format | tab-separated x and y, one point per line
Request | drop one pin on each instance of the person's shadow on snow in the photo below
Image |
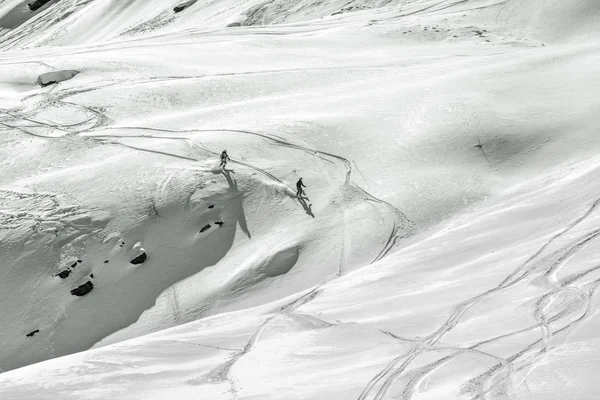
307	207
236	200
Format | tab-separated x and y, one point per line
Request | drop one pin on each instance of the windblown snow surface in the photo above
449	247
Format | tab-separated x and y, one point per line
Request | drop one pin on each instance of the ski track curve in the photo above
400	221
55	97
379	386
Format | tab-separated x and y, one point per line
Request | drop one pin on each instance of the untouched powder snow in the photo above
447	246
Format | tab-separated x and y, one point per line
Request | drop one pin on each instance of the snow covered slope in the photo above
68	22
447	247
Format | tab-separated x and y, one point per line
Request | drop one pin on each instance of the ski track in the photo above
99	121
224	371
400	222
379	386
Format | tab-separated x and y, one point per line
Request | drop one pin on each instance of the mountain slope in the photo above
446	247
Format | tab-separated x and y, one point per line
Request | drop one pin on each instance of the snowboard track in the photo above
97	120
402	226
378	388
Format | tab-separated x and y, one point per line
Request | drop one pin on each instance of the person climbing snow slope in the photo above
299	186
224	159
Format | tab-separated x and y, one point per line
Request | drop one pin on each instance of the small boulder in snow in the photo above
30	334
50	78
234	25
183	6
205	228
139	259
64	274
82	290
37	4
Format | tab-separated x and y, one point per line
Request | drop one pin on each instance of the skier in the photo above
299	186
224	159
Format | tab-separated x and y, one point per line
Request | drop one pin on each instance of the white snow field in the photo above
449	247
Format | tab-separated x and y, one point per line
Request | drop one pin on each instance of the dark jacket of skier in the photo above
299	186
224	158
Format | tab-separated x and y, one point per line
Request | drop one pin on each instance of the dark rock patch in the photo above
83	289
139	259
205	228
74	265
37	4
234	25
183	6
91	275
211	206
21	14
348	9
220	223
105	261
121	244
30	334
64	274
50	78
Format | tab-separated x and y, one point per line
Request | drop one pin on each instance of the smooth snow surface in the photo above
447	249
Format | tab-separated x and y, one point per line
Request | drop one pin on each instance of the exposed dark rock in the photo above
121	244
211	206
64	274
83	289
205	228
139	259
30	334
105	261
74	265
37	4
220	223
183	6
91	275
50	78
79	261
234	25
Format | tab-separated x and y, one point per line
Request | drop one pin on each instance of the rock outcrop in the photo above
37	4
183	6
139	259
82	290
30	334
64	274
205	228
50	78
